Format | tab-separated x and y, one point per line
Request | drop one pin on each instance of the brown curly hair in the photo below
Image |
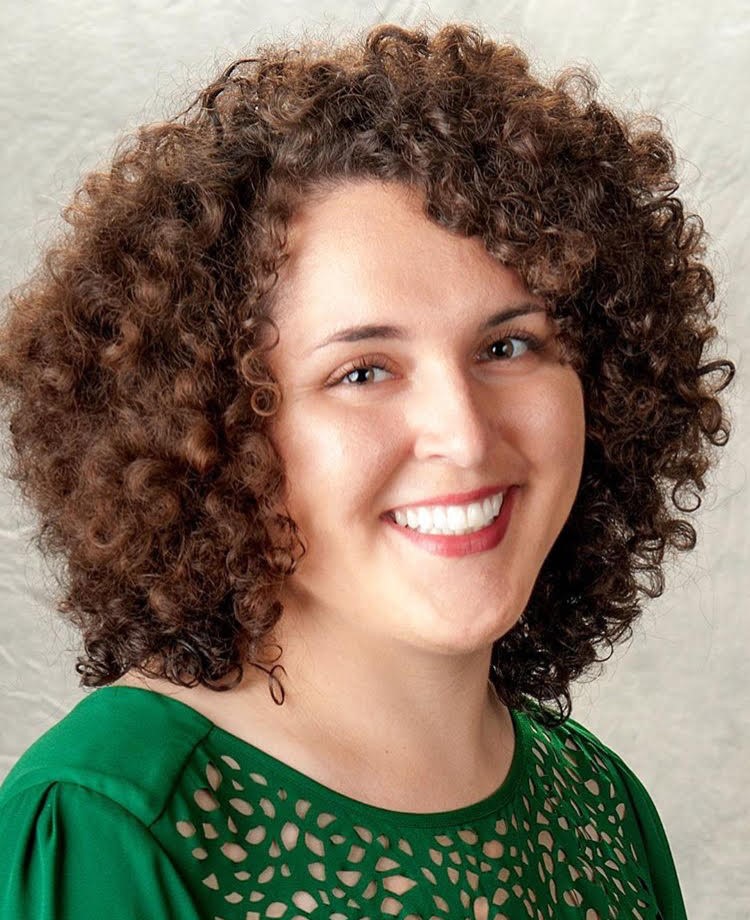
132	369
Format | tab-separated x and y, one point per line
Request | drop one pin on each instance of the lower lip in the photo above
466	543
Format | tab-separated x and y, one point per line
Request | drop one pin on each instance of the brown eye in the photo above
360	367
501	350
502	346
362	371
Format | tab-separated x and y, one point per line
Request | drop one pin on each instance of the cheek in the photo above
333	464
553	423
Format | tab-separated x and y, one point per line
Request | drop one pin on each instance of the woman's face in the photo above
447	403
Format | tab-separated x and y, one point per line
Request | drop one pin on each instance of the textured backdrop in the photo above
674	703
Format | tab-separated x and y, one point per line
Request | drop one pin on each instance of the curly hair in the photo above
132	361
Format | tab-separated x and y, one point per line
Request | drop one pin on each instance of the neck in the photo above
389	712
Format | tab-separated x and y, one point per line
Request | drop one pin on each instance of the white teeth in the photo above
456	518
451	519
477	514
426	522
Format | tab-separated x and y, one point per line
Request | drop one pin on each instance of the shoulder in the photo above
585	761
581	747
125	744
575	744
77	812
602	794
623	779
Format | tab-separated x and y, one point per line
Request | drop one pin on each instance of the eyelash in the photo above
367	361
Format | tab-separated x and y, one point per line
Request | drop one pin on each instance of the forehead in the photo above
369	245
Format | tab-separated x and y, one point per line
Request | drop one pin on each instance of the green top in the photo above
136	806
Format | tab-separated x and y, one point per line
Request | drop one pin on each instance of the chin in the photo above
452	636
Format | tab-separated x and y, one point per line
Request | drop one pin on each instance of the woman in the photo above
356	401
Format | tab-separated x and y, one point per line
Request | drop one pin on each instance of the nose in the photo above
451	418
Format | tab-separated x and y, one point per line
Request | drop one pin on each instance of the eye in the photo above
530	343
359	367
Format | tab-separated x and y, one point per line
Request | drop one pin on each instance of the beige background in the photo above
674	703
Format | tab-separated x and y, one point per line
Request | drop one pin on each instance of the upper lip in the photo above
454	498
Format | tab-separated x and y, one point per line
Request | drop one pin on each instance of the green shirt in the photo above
136	806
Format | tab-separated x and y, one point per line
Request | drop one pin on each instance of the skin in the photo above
386	646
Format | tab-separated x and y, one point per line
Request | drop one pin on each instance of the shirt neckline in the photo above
282	773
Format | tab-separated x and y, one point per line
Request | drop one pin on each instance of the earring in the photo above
273	680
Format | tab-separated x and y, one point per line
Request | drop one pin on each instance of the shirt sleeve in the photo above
663	873
69	853
664	878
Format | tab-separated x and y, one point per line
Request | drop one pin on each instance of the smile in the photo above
451	519
477	538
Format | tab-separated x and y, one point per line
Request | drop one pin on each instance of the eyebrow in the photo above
373	331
